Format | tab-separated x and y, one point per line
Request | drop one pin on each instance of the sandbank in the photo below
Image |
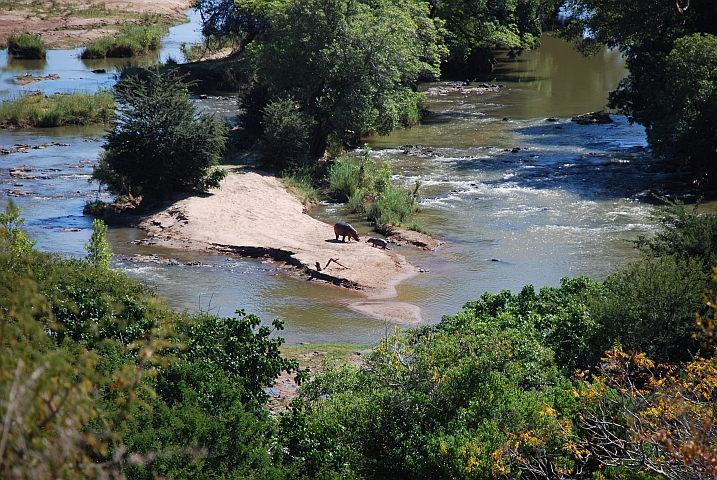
69	23
253	215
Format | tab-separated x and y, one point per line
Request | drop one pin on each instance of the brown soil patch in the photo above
70	23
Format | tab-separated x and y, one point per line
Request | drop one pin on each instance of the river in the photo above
517	199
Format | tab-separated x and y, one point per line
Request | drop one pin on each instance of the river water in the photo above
516	198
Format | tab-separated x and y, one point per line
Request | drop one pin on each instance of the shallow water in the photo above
567	203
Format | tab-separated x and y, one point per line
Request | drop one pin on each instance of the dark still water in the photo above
517	201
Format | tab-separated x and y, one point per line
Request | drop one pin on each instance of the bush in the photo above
26	45
684	233
367	188
284	133
436	403
650	307
132	41
159	143
394	206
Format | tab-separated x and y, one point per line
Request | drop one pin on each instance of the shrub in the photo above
159	143
26	45
284	132
393	206
367	188
345	178
650	307
685	233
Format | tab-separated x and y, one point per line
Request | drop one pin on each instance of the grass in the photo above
131	41
366	187
25	45
300	180
393	206
36	110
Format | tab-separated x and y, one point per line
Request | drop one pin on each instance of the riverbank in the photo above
64	24
253	215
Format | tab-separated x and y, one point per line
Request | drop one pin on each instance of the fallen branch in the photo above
336	261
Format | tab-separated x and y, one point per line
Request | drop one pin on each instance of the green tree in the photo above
670	88
351	66
12	238
159	143
99	250
687	127
231	19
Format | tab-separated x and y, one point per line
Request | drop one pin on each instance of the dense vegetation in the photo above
37	110
611	380
327	72
131	41
98	379
158	143
671	51
26	45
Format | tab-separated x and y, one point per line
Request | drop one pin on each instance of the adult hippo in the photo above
344	230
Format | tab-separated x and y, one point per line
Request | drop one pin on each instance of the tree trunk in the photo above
319	138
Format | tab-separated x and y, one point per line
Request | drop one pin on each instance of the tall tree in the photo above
351	66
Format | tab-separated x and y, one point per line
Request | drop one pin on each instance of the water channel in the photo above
516	198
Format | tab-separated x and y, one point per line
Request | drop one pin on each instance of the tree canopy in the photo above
348	66
159	143
670	52
476	28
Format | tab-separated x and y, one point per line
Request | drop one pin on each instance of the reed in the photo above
131	41
36	110
26	45
367	189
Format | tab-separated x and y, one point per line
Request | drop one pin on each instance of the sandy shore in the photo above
253	215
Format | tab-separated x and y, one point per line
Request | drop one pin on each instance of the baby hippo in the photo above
344	230
378	242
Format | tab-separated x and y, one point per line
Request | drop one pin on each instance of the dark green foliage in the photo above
651	308
476	28
434	403
159	143
231	345
201	428
98	380
686	130
26	45
670	89
131	41
229	19
349	66
284	127
687	234
207	416
561	316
